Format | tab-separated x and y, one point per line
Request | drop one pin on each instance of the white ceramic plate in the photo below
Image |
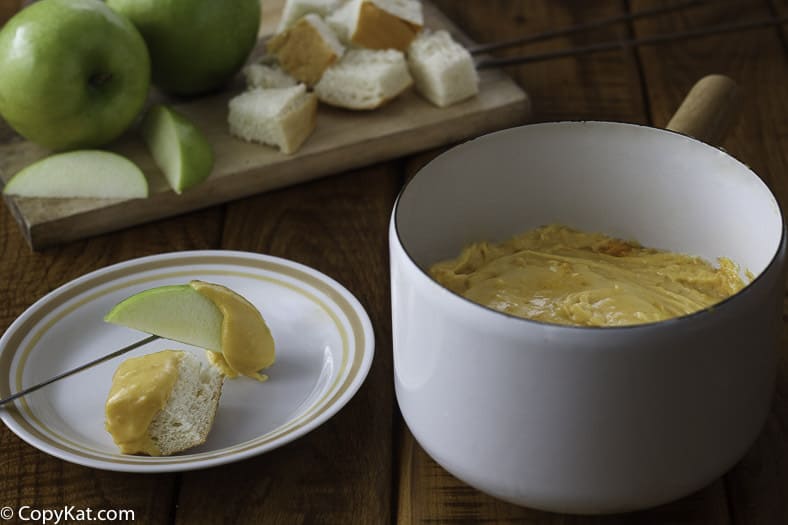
324	345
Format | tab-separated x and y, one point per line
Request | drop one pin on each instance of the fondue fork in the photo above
490	62
80	368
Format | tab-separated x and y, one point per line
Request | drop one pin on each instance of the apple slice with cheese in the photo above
207	315
177	312
83	173
179	148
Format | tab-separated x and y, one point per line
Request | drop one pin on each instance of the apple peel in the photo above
84	173
179	148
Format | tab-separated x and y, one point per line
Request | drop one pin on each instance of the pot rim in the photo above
781	245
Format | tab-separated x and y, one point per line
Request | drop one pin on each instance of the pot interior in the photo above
660	188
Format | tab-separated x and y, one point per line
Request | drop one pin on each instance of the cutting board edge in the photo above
107	219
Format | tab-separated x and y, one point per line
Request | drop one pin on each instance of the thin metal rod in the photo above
609	46
581	28
107	357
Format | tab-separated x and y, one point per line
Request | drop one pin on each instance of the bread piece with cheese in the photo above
306	49
378	24
280	117
267	76
293	10
188	416
162	403
364	79
443	70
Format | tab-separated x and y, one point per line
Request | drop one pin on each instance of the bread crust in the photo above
442	68
299	123
378	29
302	52
367	107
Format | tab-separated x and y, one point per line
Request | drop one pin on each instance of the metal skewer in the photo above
581	28
80	368
613	45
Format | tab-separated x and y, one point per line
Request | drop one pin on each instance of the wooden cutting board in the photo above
342	140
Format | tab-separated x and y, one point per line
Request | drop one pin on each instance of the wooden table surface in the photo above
363	466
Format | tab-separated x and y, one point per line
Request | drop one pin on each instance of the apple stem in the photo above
99	79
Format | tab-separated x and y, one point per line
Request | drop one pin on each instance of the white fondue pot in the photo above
577	419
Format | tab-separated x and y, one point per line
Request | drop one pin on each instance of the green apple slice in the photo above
83	173
179	148
176	312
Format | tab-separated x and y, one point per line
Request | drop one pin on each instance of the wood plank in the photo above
427	493
340	473
342	140
28	477
757	486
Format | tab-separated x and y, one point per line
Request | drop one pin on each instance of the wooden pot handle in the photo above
709	109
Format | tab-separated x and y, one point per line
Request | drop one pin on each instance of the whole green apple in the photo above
195	45
73	73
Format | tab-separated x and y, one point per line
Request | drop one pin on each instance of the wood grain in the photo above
709	109
342	472
343	140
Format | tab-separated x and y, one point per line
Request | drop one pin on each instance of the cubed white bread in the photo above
339	21
306	49
296	9
443	69
187	418
378	24
280	117
364	79
267	76
407	10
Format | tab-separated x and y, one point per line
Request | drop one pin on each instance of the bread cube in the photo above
443	69
297	9
306	49
280	117
364	79
267	76
378	24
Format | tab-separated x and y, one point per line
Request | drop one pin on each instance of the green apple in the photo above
73	73
179	148
195	45
83	173
176	312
